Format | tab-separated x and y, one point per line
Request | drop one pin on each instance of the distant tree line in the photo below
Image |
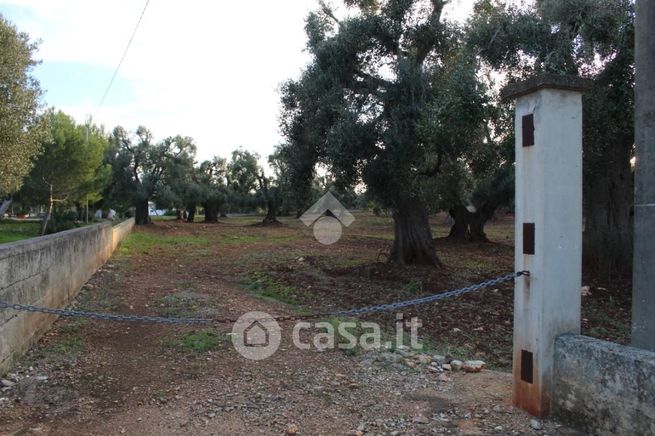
398	109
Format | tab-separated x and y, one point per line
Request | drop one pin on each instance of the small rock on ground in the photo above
536	425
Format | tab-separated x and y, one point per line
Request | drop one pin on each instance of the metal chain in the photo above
204	321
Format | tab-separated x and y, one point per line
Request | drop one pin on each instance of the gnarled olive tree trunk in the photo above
191	213
608	199
460	227
142	212
469	226
413	243
271	213
211	211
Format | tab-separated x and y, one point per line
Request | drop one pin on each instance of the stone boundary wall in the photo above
48	271
604	388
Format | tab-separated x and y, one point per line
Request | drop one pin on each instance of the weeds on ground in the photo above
262	285
197	342
346	333
66	348
181	304
97	299
73	326
414	288
237	239
140	242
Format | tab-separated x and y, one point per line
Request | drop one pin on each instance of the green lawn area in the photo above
11	231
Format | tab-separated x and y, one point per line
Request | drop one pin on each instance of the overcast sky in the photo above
205	69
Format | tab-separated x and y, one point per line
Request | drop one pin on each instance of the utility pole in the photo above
643	277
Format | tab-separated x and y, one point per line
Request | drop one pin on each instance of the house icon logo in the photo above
256	335
327	229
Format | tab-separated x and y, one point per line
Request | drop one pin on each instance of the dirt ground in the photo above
94	377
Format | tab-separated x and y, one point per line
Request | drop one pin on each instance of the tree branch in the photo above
427	42
431	172
328	12
377	81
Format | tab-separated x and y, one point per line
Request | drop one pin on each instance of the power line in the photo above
118	67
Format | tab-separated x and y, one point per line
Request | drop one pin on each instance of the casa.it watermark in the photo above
327	229
257	335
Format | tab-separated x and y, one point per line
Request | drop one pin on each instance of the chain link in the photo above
208	321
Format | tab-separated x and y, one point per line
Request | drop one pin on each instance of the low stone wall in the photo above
48	271
604	388
120	232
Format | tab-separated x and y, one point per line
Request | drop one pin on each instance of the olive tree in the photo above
592	39
21	128
391	93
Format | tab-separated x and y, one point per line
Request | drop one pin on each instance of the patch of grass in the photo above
97	299
608	328
163	218
69	345
197	342
389	342
414	287
455	351
265	286
12	231
237	239
380	236
66	348
466	264
339	261
140	241
73	326
181	304
340	338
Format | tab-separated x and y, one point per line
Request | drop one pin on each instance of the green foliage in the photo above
242	171
21	129
211	177
570	37
592	39
60	220
249	188
70	167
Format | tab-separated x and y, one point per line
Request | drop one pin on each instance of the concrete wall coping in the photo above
625	351
34	243
17	247
545	81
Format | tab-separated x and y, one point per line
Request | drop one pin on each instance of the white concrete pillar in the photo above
548	240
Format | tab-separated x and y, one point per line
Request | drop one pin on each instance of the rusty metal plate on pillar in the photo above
528	238
528	130
526	366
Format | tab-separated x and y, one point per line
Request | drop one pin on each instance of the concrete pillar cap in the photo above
545	81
